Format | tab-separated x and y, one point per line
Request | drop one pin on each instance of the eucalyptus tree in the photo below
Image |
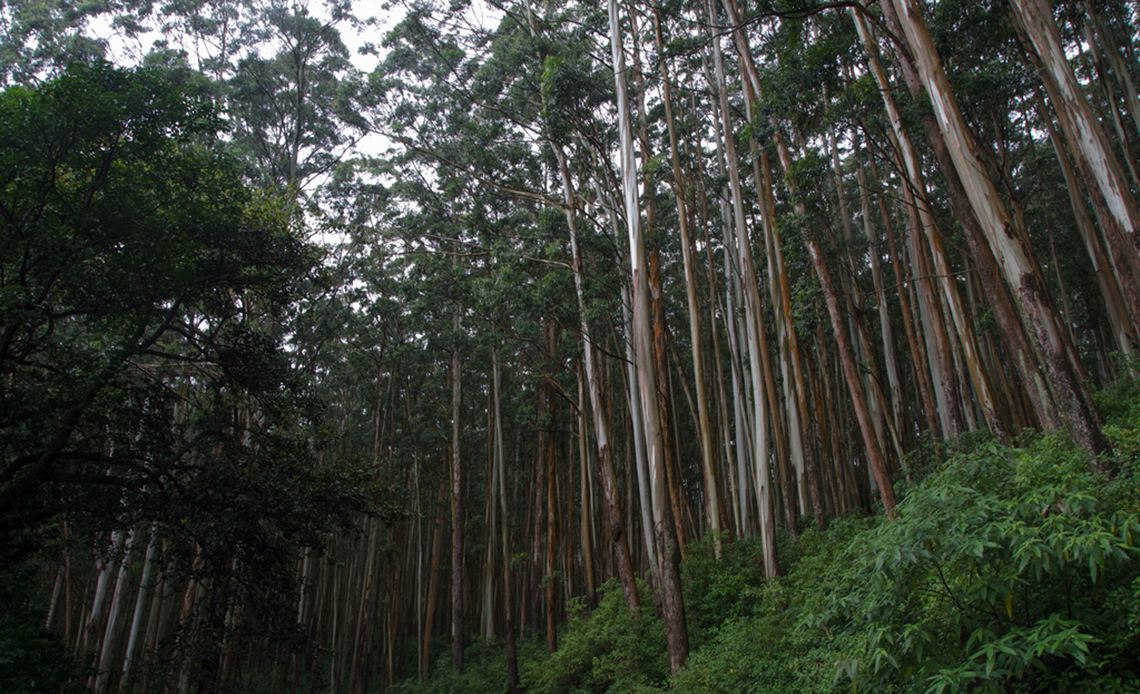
37	39
297	111
482	183
664	524
1004	235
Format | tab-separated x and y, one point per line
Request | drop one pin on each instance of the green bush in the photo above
1119	404
717	590
484	669
766	644
32	660
606	650
1006	570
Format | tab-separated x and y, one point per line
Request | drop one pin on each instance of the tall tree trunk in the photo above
142	603
1120	237
1010	318
610	502
950	292
886	332
636	407
854	383
1123	328
538	513
664	399
111	633
998	225
491	525
1085	134
676	632
508	606
456	504
584	493
548	578
712	502
753	312
433	580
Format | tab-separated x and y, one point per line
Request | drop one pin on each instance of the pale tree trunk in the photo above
664	399
636	418
1013	256
743	436
753	312
789	437
847	356
795	398
142	603
1026	358
853	296
456	504
364	609
538	514
983	388
921	374
488	580
610	501
1113	54
500	481
672	603
1110	99
712	502
585	508
854	383
933	327
1123	329
812	469
418	524
714	306
886	332
433	580
551	516
1085	134
111	640
105	569
1123	258
751	80
734	321
880	418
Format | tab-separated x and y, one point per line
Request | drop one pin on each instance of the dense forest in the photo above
758	346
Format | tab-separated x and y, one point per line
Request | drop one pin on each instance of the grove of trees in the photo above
623	346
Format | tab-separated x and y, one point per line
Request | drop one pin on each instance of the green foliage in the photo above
760	654
484	669
1119	404
607	650
32	660
1006	570
720	590
766	641
143	292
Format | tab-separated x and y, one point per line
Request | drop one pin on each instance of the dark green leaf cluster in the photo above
143	380
607	650
32	660
1007	570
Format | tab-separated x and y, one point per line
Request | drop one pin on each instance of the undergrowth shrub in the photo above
606	650
763	644
484	669
1119	404
1007	570
32	659
718	590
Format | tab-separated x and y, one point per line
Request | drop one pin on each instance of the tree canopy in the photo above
633	328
